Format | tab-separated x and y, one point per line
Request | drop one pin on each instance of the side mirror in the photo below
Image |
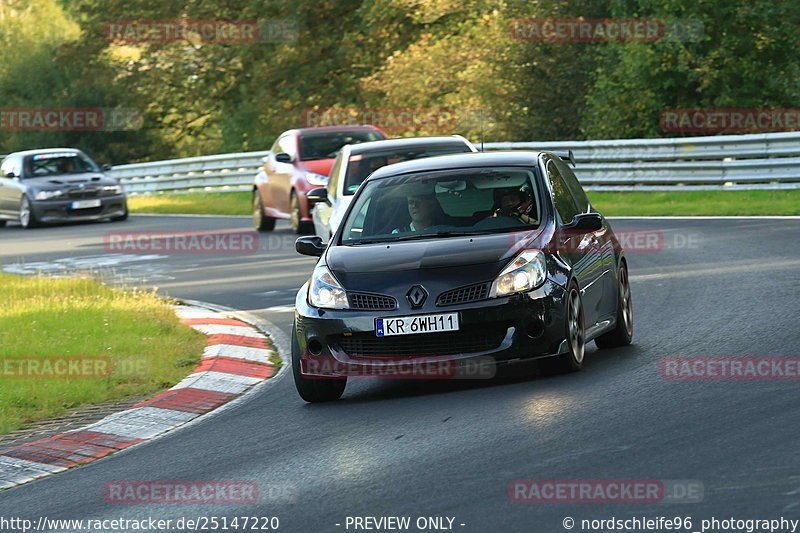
105	168
586	222
283	157
318	195
10	174
310	246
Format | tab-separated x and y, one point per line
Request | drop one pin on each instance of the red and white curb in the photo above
236	359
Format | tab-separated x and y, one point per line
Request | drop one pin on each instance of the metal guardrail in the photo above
222	172
756	161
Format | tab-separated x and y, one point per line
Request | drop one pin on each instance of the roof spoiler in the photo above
566	156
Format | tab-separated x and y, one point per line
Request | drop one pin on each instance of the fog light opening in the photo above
314	347
535	329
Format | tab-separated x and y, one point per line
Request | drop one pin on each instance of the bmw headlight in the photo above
526	272
325	291
112	189
316	179
46	195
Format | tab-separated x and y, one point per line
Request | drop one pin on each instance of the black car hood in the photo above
449	252
451	262
68	180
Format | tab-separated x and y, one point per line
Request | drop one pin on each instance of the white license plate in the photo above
85	204
409	325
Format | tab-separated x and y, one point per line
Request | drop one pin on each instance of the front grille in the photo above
365	301
470	293
84	193
480	339
85	212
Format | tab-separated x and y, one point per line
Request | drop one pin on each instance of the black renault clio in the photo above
491	257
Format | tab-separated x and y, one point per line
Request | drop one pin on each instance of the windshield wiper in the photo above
419	236
356	243
444	234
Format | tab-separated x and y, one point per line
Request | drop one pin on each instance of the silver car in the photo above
57	185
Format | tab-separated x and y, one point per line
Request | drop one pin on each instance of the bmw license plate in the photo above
85	204
409	325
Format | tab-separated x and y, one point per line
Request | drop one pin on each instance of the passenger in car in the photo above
425	211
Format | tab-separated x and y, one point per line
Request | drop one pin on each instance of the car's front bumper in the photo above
495	331
60	210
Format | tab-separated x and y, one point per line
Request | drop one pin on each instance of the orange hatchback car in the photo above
300	160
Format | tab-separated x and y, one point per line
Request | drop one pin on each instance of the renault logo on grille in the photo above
417	296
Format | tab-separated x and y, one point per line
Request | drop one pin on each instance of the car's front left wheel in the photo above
575	333
314	390
622	334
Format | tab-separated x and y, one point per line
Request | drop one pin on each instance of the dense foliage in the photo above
456	55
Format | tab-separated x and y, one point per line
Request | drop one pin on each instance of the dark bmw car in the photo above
57	185
494	258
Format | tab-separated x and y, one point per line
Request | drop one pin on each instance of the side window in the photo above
288	144
16	166
12	164
276	146
562	198
574	186
333	181
5	168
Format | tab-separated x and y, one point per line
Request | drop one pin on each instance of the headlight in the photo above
316	179
526	272
113	189
325	291
46	195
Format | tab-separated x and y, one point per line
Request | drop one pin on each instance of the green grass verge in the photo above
149	349
202	203
778	202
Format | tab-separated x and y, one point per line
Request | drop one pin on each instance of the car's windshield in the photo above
362	165
444	204
325	145
57	163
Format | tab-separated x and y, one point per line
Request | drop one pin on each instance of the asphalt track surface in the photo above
393	448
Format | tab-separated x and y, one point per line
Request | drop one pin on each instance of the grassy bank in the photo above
147	349
203	203
779	202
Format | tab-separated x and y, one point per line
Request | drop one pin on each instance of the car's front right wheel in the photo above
317	389
300	226
27	218
260	220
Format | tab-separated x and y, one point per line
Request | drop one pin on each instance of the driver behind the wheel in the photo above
515	203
